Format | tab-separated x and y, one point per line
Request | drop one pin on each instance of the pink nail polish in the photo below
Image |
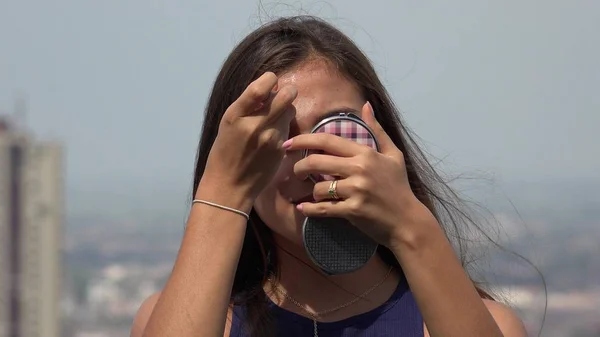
286	145
299	207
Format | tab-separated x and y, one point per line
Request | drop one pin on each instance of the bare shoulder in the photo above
143	314
146	309
507	319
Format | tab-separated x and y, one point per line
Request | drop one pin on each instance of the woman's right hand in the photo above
248	148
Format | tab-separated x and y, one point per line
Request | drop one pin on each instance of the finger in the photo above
330	144
322	164
255	94
325	209
386	145
283	124
321	190
281	105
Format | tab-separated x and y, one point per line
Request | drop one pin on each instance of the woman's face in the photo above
321	91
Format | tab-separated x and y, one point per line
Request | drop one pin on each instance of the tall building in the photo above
31	217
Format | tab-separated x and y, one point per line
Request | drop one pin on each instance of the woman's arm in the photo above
196	297
143	314
243	159
448	301
378	199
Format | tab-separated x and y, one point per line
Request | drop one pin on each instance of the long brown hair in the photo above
279	46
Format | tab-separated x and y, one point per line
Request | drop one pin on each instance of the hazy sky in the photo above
506	87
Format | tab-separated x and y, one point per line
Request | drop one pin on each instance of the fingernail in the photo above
286	145
371	108
299	207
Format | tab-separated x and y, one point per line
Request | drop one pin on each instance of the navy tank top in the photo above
398	316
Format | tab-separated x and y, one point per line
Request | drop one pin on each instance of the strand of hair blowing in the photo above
279	46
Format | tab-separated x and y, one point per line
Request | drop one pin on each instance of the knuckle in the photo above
354	206
320	138
254	92
317	137
368	160
286	94
368	157
371	154
327	137
362	185
229	117
359	166
321	210
309	161
267	137
399	157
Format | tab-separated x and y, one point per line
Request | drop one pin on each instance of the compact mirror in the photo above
334	244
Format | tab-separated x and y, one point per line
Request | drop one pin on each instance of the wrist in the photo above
419	229
420	246
225	195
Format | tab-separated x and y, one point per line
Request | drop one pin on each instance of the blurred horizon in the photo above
494	194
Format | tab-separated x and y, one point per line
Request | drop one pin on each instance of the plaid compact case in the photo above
334	244
346	125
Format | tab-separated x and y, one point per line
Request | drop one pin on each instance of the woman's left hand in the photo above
373	189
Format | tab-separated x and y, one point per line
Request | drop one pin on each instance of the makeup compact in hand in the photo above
334	244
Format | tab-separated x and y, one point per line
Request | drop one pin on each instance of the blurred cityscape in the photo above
31	233
109	263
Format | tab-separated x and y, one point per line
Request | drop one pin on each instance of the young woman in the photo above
239	277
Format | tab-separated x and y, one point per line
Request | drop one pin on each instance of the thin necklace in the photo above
315	315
